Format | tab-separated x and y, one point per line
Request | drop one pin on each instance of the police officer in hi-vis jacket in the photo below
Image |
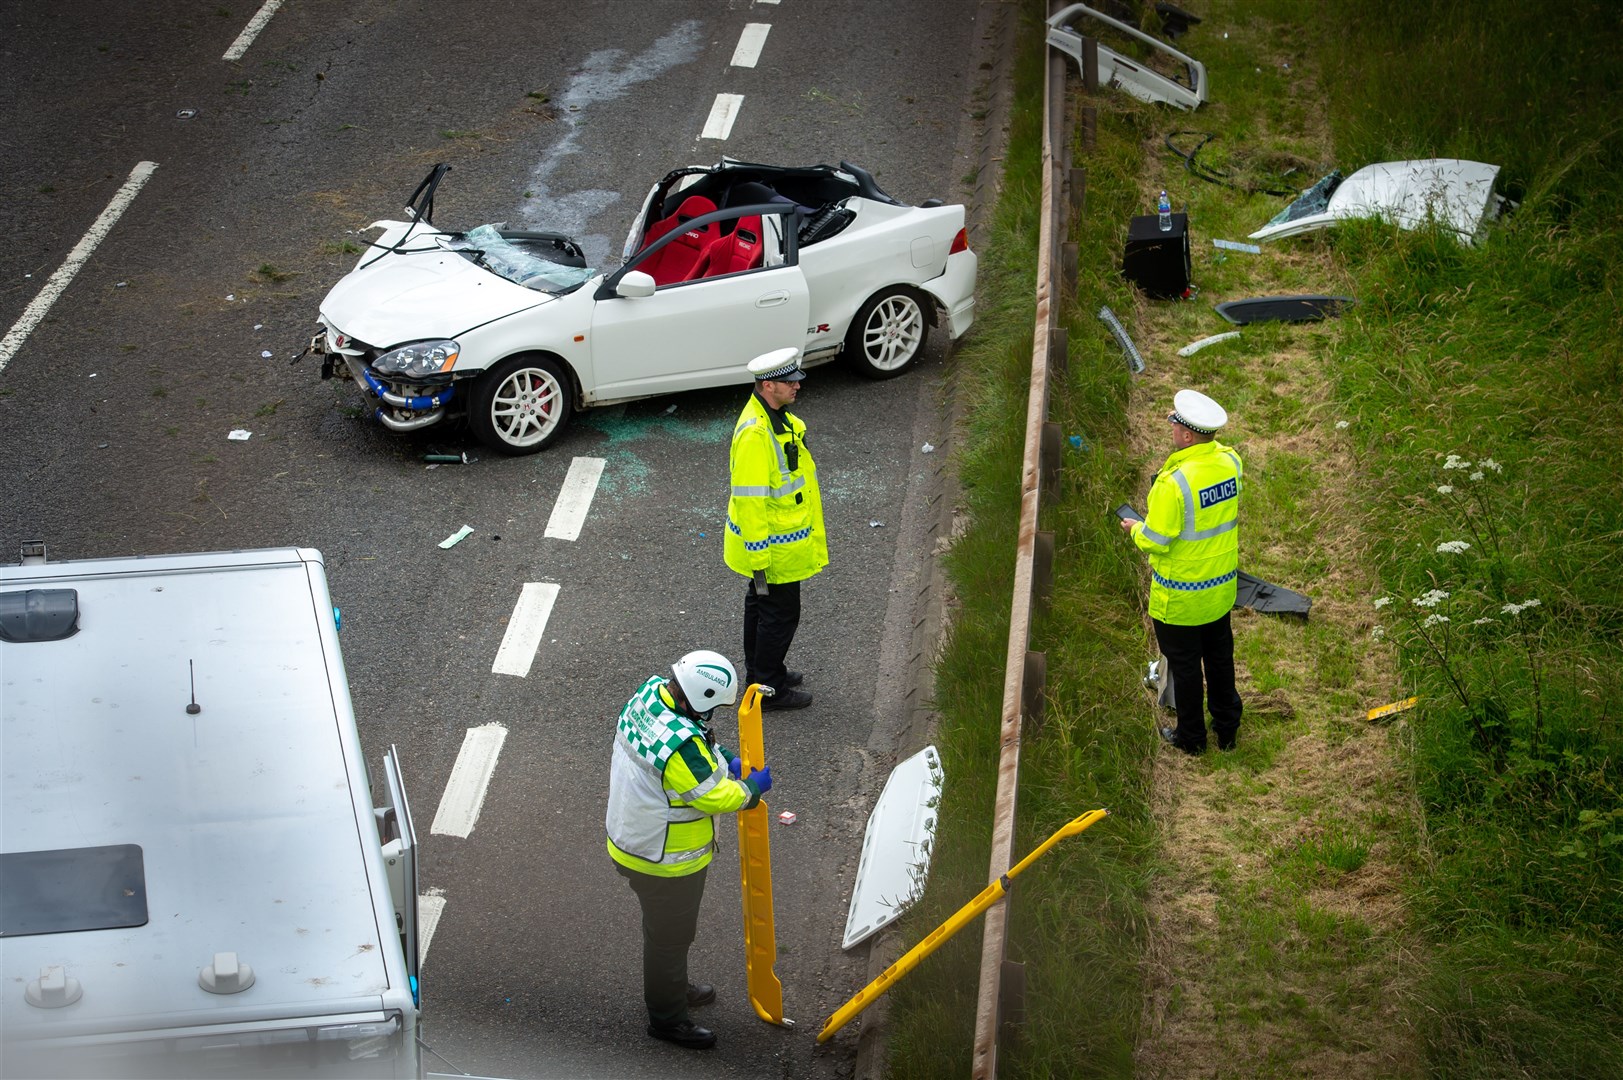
1191	532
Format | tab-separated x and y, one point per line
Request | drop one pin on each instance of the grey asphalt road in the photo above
114	413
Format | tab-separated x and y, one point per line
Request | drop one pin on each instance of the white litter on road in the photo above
457	537
575	498
239	435
470	776
59	281
525	629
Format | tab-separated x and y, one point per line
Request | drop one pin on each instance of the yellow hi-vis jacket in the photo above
775	512
1192	533
665	782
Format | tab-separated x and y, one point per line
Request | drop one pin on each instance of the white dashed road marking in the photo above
76	258
575	499
749	44
251	31
722	115
465	791
524	629
430	906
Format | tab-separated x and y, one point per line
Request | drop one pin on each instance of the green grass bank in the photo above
1500	826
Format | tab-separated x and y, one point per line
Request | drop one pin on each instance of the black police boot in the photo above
687	1035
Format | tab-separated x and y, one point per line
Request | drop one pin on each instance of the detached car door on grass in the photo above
693	307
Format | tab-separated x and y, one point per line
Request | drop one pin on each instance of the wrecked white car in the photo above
1186	88
1456	195
513	330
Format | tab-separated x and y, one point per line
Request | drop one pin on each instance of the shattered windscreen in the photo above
486	246
1315	200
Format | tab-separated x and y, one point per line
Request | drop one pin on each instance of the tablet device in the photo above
1126	512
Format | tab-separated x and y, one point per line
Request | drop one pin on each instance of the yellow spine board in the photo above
755	871
994	891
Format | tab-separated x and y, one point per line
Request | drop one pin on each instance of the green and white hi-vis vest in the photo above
640	805
1191	532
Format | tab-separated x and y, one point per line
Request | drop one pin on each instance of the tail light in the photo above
960	242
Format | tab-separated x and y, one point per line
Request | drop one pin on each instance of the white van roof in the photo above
249	814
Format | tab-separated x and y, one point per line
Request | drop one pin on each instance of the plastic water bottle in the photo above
1164	208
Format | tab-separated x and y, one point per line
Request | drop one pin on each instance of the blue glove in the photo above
762	779
735	766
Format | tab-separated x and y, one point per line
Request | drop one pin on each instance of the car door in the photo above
703	332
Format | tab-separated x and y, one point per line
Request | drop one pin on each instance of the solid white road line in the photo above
722	115
251	31
524	629
430	906
76	258
465	791
749	44
575	498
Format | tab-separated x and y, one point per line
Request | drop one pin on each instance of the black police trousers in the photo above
1188	649
770	621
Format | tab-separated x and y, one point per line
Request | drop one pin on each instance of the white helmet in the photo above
707	680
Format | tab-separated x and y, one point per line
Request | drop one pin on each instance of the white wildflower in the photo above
1431	599
1378	633
1453	547
1531	603
1433	620
1445	489
1492	465
1485	620
1477	475
1456	462
1341	425
1382	601
1517	609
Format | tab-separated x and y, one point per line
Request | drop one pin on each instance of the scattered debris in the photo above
1230	245
787	817
1454	193
1195	346
259	326
1305	308
876	524
450	459
1129	350
265	355
121	284
1077	443
896	848
1259	595
1221	177
1175	21
1134	77
669	409
1383	711
185	114
927	449
230	296
457	537
239	435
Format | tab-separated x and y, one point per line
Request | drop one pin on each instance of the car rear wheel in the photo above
521	404
888	333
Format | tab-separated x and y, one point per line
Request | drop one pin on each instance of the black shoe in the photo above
792	680
1170	737
1225	745
687	1035
700	994
786	699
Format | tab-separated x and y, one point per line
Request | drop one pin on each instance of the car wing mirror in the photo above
635	283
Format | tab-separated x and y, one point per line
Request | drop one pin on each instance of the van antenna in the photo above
194	708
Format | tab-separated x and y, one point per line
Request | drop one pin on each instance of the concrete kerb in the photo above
995	47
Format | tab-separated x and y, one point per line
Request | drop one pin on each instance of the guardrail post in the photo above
1034	693
1068	258
1042	570
1048	459
1090	65
1012	1003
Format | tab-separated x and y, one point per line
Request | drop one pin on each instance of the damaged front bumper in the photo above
403	405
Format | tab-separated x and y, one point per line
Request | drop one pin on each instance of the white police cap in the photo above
780	364
1197	412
